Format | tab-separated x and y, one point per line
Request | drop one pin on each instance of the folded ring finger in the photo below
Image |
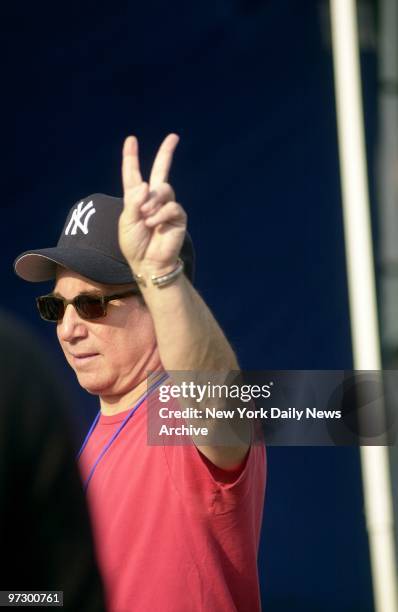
151	206
157	198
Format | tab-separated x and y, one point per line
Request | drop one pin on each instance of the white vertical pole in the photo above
361	288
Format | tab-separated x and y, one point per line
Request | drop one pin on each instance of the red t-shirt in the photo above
173	532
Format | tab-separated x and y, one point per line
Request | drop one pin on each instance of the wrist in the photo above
158	276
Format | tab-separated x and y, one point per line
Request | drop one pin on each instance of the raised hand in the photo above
152	225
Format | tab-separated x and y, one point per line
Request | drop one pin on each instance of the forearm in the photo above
188	336
190	339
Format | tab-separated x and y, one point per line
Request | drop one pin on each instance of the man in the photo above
177	527
45	535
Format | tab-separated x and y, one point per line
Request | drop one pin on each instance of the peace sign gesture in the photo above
152	224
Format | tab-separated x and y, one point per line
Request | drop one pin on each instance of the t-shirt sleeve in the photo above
209	488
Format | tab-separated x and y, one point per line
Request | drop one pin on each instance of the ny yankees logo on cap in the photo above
76	217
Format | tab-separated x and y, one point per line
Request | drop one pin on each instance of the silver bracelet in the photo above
164	279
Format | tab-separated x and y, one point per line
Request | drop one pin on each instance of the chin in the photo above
95	387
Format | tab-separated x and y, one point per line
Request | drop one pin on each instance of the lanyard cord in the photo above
89	434
117	432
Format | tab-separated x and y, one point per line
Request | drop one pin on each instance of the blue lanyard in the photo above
115	435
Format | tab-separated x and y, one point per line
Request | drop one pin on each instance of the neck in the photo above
113	405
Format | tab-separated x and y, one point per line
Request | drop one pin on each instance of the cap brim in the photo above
40	265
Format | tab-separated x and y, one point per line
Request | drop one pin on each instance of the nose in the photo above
72	326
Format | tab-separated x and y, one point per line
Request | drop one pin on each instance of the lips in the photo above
83	358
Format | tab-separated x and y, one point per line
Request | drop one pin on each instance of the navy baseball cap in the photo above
89	246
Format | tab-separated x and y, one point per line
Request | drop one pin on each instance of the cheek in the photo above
126	346
123	350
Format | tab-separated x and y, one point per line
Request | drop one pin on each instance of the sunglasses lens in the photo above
90	307
50	308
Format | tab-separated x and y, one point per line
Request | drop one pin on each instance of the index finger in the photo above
131	174
163	159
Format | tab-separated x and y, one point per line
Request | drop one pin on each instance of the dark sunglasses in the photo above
52	308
